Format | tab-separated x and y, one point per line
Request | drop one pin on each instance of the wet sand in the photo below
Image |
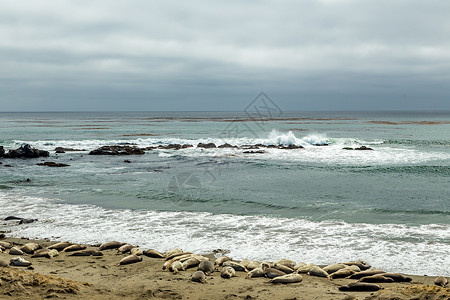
71	277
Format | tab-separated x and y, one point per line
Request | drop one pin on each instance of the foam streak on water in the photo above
399	248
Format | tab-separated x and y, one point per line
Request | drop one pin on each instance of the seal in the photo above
29	248
359	275
330	269
360	287
136	251
304	269
19	262
283	268
342	273
288	278
49	253
236	266
319	272
272	273
73	248
376	279
441	281
227	272
253	265
6	245
60	246
286	262
125	249
153	253
110	245
206	266
397	277
361	264
89	252
16	251
172	252
190	263
130	259
175	255
221	260
176	266
256	272
198	276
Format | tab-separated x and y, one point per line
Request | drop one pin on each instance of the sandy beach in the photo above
101	277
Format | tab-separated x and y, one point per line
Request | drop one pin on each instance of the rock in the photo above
63	150
209	145
21	220
226	145
53	164
2	235
117	150
254	152
363	148
26	151
2	151
289	147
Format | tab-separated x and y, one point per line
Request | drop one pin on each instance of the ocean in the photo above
321	204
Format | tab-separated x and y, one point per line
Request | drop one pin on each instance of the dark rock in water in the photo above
255	152
226	145
26	151
63	150
117	150
127	161
209	145
2	236
174	146
363	148
348	148
8	166
319	145
21	220
53	164
288	147
250	147
2	151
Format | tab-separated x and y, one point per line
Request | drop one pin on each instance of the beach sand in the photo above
70	277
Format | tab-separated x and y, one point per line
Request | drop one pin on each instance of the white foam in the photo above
398	248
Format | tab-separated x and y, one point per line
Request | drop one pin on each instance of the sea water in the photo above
320	204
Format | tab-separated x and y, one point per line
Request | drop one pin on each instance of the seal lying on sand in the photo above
236	266
16	251
288	278
397	277
227	272
19	262
6	245
60	246
73	248
376	279
110	245
318	271
342	273
125	249
360	287
153	253
29	248
49	253
87	253
221	260
256	272
441	281
359	275
199	276
206	266
3	264
130	259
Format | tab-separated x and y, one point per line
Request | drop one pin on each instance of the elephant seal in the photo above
272	273
176	266
206	266
361	264
227	272
19	262
288	278
87	253
236	266
360	287
376	279
286	262
172	252
175	255
3	264
16	251
359	275
245	262
283	268
441	281
49	253
153	253
253	265
130	259
60	246
342	273
330	269
73	248
221	260
256	272
354	268
6	245
397	277
199	276
125	249
305	269
110	245
190	263
136	251
29	248
319	272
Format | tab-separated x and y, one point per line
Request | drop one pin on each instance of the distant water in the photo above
321	204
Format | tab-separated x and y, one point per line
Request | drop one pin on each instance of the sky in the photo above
103	55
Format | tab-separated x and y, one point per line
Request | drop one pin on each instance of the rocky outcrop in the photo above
226	145
63	150
26	151
360	148
52	164
2	151
117	150
174	146
209	145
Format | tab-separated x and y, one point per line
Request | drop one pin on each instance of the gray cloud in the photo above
217	55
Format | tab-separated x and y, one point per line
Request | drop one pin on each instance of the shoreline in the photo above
102	278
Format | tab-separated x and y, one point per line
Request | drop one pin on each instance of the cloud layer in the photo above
217	55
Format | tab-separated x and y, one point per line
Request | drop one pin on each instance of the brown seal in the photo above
288	278
199	276
130	259
360	287
441	281
110	245
206	266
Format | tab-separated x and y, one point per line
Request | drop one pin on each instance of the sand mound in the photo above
416	292
22	283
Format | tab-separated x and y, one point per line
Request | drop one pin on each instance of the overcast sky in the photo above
218	55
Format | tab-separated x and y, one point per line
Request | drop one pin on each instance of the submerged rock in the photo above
53	164
2	151
26	151
63	150
209	145
117	150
